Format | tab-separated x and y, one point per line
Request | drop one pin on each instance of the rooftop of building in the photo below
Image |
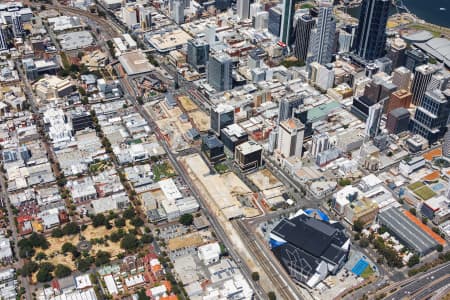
409	232
135	63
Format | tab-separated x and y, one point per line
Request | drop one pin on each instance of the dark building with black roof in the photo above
81	120
213	148
310	249
397	120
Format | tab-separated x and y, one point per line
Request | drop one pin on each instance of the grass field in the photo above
425	193
367	272
163	170
415	185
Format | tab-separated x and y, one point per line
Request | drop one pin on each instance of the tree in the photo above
115	236
255	276
41	256
186	219
98	220
38	241
129	213
146	239
358	226
364	242
71	228
142	296
68	247
424	220
272	296
344	181
45	272
137	222
29	268
129	242
439	248
62	271
414	260
412	210
84	264
102	258
57	233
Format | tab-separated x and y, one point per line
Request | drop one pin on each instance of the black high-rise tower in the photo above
370	39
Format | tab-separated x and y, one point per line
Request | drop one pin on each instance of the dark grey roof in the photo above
311	235
407	230
212	142
399	112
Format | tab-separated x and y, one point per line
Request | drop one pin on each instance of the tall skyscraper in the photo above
17	27
370	39
274	25
290	138
287	20
254	9
210	34
145	17
287	106
401	77
320	143
223	4
220	71
430	119
322	37
345	41
303	28
3	38
422	77
243	9
446	143
221	117
373	121
130	15
414	58
396	52
178	12
261	20
197	54
439	80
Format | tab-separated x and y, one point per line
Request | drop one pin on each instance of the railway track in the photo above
110	28
274	275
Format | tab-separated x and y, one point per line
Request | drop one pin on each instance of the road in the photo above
419	284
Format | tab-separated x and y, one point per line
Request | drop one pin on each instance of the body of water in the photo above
428	10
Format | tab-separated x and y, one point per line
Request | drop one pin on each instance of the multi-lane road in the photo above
420	286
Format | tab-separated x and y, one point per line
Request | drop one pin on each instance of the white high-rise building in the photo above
322	37
130	15
373	120
261	20
401	77
254	9
422	77
243	9
325	77
210	34
290	138
178	12
446	144
320	143
345	41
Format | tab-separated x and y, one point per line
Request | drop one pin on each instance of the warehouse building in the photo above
407	232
